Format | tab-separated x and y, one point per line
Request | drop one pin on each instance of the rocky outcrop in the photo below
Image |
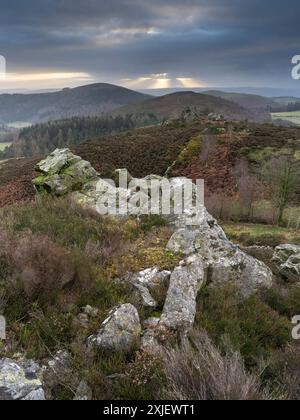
63	172
180	306
209	256
20	381
120	332
287	260
199	234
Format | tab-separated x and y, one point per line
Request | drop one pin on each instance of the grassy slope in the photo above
293	116
3	146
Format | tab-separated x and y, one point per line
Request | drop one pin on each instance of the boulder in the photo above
147	299
224	261
19	382
180	306
83	392
56	161
245	272
287	260
63	172
120	331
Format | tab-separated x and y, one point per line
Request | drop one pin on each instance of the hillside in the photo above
213	156
173	105
246	100
139	308
82	101
45	137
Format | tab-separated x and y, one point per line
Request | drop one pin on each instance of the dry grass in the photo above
199	371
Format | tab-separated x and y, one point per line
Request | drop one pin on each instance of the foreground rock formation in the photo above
287	260
180	306
210	257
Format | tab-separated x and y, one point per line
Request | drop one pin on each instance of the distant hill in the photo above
173	105
245	100
258	103
83	101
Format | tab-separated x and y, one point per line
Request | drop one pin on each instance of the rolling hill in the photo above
173	105
87	100
246	100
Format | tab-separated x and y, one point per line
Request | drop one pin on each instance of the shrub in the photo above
284	369
254	328
62	221
40	270
284	300
199	371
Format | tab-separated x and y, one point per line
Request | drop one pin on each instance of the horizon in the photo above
149	45
266	91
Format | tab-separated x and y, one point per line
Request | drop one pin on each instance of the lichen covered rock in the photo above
180	306
19	382
199	234
120	331
63	172
287	260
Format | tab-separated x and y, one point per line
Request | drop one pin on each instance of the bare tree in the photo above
282	175
249	187
208	147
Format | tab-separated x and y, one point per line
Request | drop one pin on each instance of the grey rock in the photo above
37	395
180	306
242	270
151	277
57	161
223	260
147	299
120	331
90	311
150	342
82	320
16	383
83	392
61	363
62	173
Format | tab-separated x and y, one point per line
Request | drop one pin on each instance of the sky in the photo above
147	44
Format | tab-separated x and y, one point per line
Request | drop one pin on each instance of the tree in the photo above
282	175
208	147
249	188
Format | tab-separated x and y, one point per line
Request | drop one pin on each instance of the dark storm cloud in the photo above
221	42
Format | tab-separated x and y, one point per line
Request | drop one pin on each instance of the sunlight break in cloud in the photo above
161	81
190	82
36	77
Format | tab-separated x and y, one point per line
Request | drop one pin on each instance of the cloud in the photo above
247	42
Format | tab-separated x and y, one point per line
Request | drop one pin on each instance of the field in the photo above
4	146
293	116
19	124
